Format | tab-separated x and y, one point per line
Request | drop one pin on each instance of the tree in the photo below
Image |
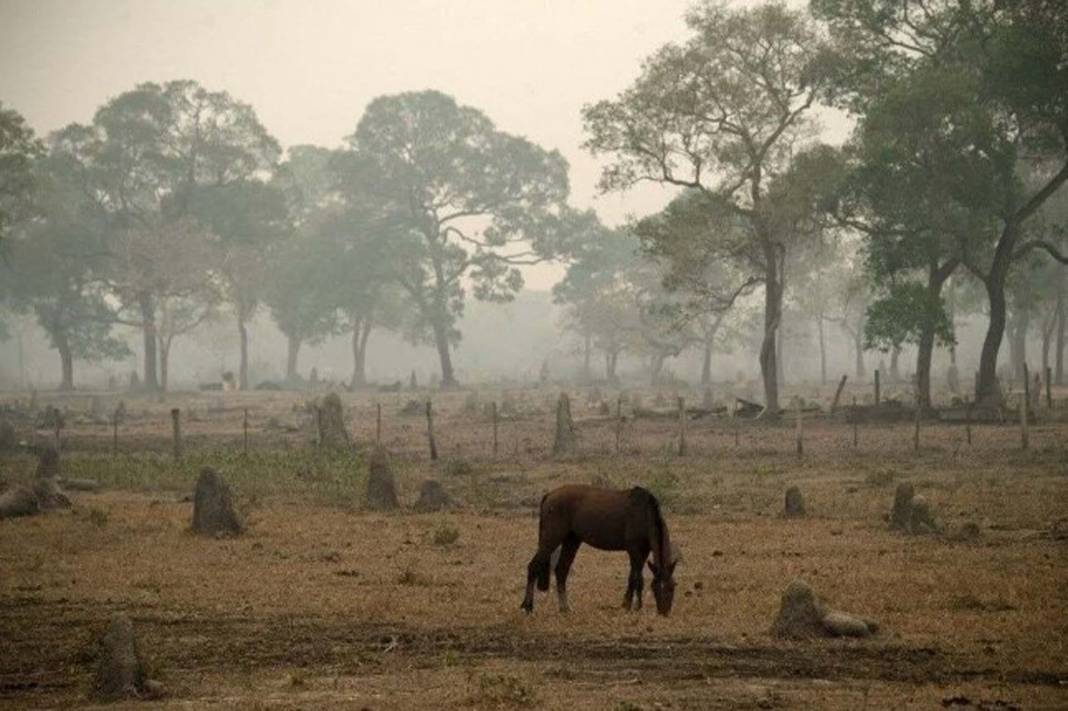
470	202
302	286
721	115
151	152
598	256
250	219
52	262
172	261
18	149
1001	105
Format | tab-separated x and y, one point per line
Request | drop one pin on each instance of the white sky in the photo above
309	68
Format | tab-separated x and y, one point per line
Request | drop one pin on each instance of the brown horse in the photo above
610	520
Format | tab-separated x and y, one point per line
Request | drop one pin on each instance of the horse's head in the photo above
664	582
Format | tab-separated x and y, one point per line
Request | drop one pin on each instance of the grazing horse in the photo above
610	520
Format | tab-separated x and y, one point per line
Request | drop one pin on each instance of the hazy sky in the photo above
310	67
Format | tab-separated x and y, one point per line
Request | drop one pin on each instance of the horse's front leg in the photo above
563	567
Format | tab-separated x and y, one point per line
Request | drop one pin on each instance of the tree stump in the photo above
213	506
901	514
381	487
9	439
564	442
120	669
795	503
47	462
923	520
19	501
432	497
912	514
802	615
332	429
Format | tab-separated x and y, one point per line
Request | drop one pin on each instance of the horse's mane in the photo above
662	550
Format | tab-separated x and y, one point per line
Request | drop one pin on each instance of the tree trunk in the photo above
936	279
656	366
780	365
587	346
164	363
361	331
986	385
441	341
292	352
1019	325
243	368
823	352
858	348
66	361
924	352
706	364
1062	316
769	367
148	329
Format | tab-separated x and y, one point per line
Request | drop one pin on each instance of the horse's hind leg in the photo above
563	567
537	572
633	598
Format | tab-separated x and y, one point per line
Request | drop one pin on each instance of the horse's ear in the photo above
652	567
671	567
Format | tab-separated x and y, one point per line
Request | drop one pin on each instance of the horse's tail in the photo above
544	566
661	538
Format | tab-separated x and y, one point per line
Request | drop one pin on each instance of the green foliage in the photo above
18	149
903	314
461	200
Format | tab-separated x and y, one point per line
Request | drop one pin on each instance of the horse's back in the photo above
594	515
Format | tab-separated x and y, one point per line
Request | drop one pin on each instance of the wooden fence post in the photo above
493	411
1049	388
877	394
856	437
115	432
378	423
682	427
838	394
244	425
734	421
916	431
619	421
318	425
430	433
176	426
1024	435
800	435
968	421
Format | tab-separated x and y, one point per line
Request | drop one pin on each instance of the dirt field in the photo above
322	604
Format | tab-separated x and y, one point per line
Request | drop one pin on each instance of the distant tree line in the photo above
176	206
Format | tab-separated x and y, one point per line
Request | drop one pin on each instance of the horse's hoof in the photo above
527	608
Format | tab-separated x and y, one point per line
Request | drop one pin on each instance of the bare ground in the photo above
325	605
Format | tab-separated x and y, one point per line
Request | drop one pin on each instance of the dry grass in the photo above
323	604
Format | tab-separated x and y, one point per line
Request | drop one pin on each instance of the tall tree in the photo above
302	289
720	114
1001	101
151	151
251	219
472	203
52	265
18	149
